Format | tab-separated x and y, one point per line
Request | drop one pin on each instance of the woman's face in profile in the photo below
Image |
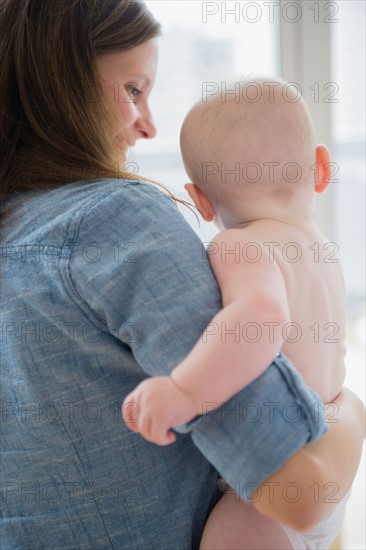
128	77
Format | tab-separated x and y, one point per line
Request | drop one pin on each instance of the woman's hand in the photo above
312	483
156	405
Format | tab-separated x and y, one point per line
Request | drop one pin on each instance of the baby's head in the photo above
252	151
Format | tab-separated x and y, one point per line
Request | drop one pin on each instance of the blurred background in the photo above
319	45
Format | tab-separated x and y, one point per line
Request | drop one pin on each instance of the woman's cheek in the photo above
128	110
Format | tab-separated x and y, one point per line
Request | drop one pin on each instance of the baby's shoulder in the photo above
243	234
243	237
242	245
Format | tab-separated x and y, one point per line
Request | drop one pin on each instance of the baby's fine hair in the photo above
258	133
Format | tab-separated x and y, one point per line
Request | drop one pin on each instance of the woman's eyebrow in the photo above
145	78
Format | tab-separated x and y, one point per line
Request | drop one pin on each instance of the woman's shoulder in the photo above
136	194
119	200
125	206
85	194
37	214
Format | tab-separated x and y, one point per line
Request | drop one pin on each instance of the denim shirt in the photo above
103	284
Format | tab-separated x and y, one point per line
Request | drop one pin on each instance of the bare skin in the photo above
249	528
128	78
272	291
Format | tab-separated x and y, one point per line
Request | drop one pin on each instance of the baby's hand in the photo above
156	405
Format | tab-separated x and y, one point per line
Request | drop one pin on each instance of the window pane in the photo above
348	47
348	65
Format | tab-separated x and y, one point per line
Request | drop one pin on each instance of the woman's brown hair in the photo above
54	117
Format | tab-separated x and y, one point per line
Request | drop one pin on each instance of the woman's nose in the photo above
146	125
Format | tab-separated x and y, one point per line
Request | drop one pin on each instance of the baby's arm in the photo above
243	338
236	347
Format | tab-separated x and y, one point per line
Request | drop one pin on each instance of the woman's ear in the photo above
202	202
323	170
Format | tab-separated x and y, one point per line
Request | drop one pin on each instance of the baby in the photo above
255	167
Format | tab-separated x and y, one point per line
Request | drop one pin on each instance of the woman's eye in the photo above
133	92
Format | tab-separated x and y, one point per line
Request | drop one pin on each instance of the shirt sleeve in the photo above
141	273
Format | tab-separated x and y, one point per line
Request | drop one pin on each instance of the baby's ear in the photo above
323	170
202	203
192	192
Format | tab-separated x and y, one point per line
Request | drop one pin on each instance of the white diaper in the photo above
321	536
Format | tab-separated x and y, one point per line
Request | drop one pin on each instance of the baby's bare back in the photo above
314	339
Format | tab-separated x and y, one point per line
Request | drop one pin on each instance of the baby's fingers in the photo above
161	436
168	438
130	412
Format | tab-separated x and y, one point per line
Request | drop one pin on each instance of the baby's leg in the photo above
237	525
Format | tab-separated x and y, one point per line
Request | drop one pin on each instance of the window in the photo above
348	71
348	64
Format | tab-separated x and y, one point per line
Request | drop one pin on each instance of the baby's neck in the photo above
298	223
293	214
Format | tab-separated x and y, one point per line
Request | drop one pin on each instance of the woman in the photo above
103	284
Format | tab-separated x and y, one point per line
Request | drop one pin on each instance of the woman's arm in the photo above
311	484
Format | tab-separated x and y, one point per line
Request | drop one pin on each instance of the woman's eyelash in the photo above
133	91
